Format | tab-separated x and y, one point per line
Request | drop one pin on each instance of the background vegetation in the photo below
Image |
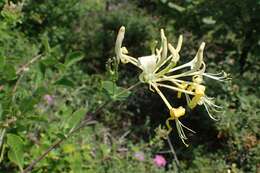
53	64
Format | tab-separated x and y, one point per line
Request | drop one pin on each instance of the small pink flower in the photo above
139	156
159	161
49	99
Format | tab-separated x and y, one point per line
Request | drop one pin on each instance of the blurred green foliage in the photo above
53	61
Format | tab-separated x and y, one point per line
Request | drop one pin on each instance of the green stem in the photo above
126	90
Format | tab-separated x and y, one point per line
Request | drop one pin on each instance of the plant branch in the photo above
85	121
25	66
21	70
173	152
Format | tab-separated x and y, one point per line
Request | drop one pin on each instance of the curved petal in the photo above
147	63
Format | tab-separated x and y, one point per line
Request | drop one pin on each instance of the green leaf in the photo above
115	92
37	119
65	82
28	103
109	86
39	92
45	42
75	118
73	58
122	94
15	154
76	163
2	62
61	67
105	150
50	60
66	112
42	68
9	72
69	148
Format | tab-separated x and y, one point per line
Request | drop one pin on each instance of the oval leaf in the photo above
15	154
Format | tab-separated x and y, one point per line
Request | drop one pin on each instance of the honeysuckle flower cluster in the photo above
161	70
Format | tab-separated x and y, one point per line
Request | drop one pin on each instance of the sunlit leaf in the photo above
208	20
75	118
15	154
176	7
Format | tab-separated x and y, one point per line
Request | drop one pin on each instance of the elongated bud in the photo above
164	46
200	51
119	40
178	48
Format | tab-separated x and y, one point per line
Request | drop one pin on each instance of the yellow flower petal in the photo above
199	92
177	112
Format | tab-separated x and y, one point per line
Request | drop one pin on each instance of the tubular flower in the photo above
160	70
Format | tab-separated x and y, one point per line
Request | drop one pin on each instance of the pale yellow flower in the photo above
160	70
